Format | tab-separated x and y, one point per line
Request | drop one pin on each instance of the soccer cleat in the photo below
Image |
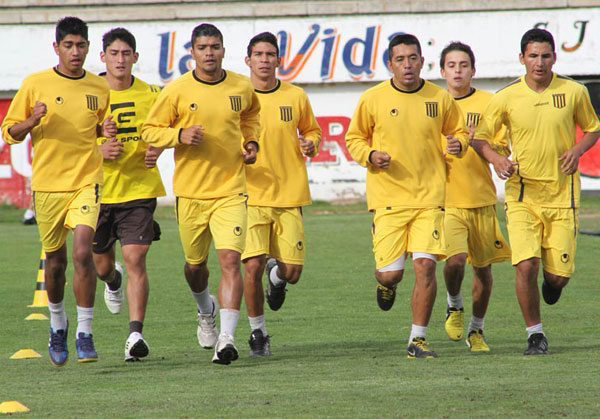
475	341
418	348
207	327
385	297
275	294
225	350
551	294
135	347
260	345
114	299
85	348
455	323
57	347
537	344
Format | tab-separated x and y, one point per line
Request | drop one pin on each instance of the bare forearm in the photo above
484	149
19	131
587	142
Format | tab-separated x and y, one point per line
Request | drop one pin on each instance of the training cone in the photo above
25	354
40	296
13	407
36	316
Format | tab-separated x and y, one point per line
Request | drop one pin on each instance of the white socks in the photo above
229	321
258	322
417	332
536	328
275	279
476	324
455	301
58	316
85	315
204	302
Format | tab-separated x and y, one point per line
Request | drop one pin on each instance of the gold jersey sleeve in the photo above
542	127
65	154
228	110
408	126
279	177
127	178
469	182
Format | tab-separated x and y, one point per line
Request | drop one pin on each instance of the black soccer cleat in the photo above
275	295
551	294
260	345
537	344
385	297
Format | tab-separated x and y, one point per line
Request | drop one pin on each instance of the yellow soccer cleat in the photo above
455	323
418	348
475	341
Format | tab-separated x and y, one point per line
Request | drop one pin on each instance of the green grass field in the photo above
334	352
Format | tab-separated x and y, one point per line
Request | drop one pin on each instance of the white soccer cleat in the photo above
225	351
136	347
207	327
114	299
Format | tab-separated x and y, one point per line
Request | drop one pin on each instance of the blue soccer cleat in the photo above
57	347
85	348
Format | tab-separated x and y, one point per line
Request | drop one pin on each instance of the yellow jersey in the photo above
541	128
279	177
469	182
407	126
127	178
65	153
228	110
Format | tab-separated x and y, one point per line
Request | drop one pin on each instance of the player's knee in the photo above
556	281
483	276
196	269
456	262
254	266
56	266
291	273
82	256
389	278
425	264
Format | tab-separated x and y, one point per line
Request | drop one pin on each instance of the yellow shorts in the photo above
278	232
546	233
59	212
397	231
476	232
201	220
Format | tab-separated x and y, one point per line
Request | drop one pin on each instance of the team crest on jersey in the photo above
498	244
559	100
85	209
236	103
299	245
473	119
59	100
564	258
436	234
394	112
92	102
285	113
431	109
237	231
193	107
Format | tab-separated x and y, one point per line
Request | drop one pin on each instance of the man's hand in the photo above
109	128
192	135
380	159
151	156
249	153
112	149
504	167
454	146
307	147
39	111
570	161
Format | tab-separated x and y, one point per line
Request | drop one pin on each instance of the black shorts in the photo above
129	222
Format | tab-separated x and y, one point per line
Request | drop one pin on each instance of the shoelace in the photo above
57	342
387	293
86	343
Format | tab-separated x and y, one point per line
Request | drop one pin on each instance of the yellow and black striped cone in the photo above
40	296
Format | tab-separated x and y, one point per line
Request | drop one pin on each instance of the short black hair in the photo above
536	35
403	39
121	34
457	46
267	37
71	25
206	29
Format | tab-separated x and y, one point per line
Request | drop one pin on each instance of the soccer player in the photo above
211	117
470	223
131	185
62	108
541	110
277	187
396	133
